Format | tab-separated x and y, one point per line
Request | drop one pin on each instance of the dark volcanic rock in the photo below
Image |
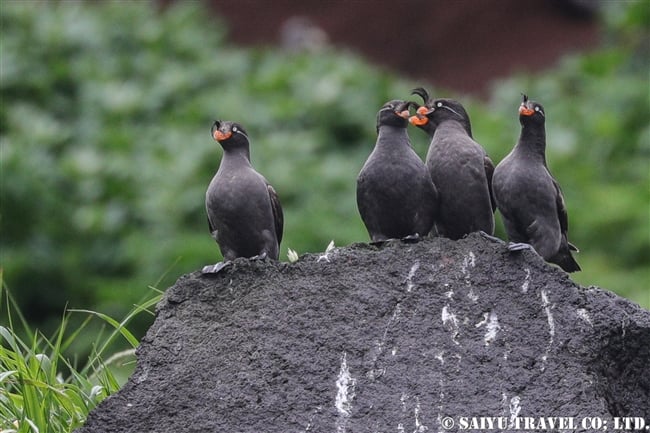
384	339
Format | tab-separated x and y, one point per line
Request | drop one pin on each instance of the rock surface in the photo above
385	339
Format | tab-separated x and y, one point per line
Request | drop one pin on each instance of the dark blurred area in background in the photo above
462	45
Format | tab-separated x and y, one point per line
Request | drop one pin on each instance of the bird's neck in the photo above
240	154
391	137
456	125
429	129
532	142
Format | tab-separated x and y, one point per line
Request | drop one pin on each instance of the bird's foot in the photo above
411	239
216	268
519	246
262	256
490	237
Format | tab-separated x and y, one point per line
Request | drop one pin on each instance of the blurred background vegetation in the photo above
106	153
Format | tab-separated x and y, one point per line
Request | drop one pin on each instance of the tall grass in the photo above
41	389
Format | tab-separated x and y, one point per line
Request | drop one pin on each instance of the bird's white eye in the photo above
234	129
439	104
536	108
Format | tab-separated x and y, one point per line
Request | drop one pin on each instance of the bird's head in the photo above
530	111
228	133
435	111
394	113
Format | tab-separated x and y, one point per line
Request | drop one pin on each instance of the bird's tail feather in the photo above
565	260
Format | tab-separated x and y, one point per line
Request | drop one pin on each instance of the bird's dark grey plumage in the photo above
460	168
395	195
244	212
528	196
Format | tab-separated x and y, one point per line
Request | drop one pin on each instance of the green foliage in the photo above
106	153
34	394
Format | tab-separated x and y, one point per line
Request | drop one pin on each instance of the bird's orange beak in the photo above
220	136
525	111
403	114
419	119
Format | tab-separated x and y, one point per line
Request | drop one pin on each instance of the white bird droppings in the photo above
551	325
547	308
469	261
403	399
584	316
411	274
450	322
345	385
526	283
492	328
515	408
448	319
419	427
